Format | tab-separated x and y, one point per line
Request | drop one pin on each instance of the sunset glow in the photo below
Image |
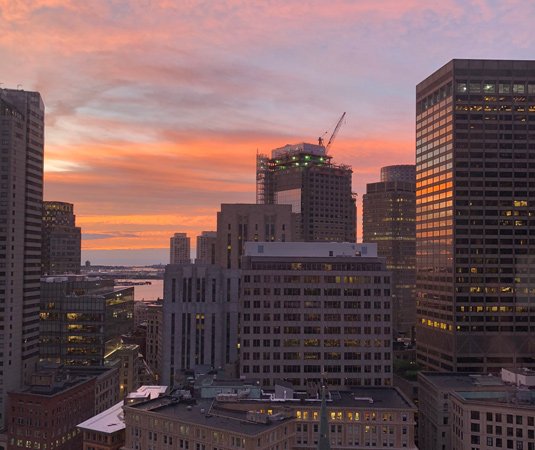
156	109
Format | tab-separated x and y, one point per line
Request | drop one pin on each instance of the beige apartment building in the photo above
315	310
242	222
476	411
179	245
489	419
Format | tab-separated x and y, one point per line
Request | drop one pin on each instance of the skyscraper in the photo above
388	219
180	249
304	176
21	196
475	172
206	247
61	249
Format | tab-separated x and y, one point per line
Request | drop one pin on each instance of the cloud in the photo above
94	236
155	109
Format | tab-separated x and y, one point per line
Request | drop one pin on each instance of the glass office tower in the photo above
475	184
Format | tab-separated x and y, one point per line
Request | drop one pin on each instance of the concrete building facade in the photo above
206	247
242	222
319	191
180	249
475	165
315	310
200	319
388	219
62	239
461	411
154	344
21	196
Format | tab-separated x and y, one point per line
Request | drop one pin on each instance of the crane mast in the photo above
335	132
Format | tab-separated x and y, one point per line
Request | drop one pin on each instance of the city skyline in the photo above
155	112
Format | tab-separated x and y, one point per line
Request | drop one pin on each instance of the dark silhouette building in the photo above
475	172
388	219
305	176
62	239
21	196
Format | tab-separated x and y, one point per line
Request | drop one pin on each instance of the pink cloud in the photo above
158	108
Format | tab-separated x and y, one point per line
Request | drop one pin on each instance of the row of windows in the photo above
314	342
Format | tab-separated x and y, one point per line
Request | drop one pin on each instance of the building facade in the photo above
242	222
180	249
21	196
82	319
362	418
315	310
45	415
154	344
62	239
200	319
475	165
319	191
206	247
388	219
133	370
465	411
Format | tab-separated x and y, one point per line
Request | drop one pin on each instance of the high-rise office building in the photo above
206	247
180	249
315	312
305	176
242	222
62	239
200	319
475	172
21	196
388	219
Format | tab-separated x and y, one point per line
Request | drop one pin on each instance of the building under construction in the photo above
304	176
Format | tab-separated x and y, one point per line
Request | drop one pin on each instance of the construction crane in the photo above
333	136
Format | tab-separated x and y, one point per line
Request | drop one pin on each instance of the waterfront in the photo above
151	291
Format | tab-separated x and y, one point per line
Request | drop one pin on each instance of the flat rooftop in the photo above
294	149
147	392
233	415
310	249
201	413
108	421
455	380
515	398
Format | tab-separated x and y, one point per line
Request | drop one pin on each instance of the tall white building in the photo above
180	249
21	197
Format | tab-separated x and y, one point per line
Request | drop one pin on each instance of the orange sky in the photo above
155	109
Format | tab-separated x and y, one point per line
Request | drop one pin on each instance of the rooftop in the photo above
148	392
310	249
456	380
112	419
108	421
235	415
201	413
294	149
510	397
